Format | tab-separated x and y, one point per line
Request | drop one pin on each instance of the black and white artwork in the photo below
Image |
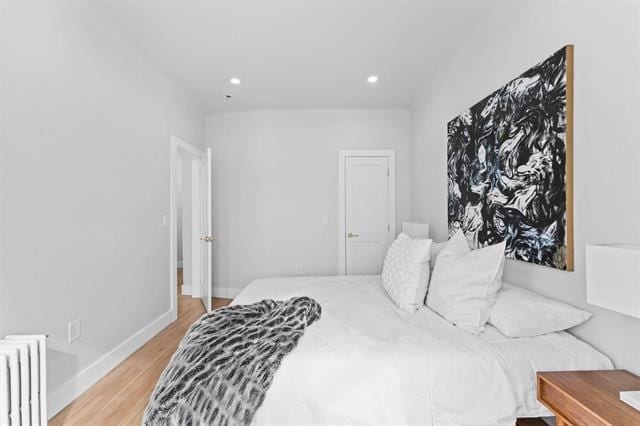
509	163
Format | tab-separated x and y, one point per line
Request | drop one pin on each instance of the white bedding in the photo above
522	357
364	362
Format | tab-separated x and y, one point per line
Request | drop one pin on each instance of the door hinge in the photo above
388	228
388	173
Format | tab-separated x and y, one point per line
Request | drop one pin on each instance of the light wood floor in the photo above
121	396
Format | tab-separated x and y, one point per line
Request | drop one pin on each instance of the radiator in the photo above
23	380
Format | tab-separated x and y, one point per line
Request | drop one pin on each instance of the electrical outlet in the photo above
74	330
165	220
298	269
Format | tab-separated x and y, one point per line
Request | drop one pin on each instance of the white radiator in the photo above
23	381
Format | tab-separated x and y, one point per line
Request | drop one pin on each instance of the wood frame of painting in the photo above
569	154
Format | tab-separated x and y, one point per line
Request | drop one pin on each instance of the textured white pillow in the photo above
521	313
405	274
464	286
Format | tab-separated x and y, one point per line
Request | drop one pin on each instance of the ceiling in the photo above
303	54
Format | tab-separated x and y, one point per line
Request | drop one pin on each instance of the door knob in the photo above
207	239
351	235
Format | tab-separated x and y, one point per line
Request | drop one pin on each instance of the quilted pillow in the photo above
405	274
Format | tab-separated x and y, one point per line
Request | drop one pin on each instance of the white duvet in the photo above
522	357
363	363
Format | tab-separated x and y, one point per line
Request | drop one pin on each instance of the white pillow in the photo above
457	244
521	313
436	248
405	274
464	286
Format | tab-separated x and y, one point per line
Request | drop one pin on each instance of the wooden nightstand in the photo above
590	398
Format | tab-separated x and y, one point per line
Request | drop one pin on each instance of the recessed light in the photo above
234	80
372	79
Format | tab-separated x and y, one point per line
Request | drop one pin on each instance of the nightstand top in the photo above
594	392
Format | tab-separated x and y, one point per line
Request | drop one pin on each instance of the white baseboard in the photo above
70	390
186	290
226	292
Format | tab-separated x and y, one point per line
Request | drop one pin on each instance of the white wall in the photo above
276	175
84	179
606	140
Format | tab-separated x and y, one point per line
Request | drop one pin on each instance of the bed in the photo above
365	362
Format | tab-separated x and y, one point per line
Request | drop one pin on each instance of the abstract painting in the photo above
509	166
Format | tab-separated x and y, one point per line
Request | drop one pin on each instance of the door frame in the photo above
176	146
391	202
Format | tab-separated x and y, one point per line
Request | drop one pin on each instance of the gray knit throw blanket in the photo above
225	363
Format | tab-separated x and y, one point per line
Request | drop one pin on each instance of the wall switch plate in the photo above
324	220
298	269
74	330
165	220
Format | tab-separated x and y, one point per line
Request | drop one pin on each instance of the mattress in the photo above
364	362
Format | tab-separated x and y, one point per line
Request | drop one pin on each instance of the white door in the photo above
206	237
367	214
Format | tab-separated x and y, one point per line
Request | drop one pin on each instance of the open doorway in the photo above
190	225
185	185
